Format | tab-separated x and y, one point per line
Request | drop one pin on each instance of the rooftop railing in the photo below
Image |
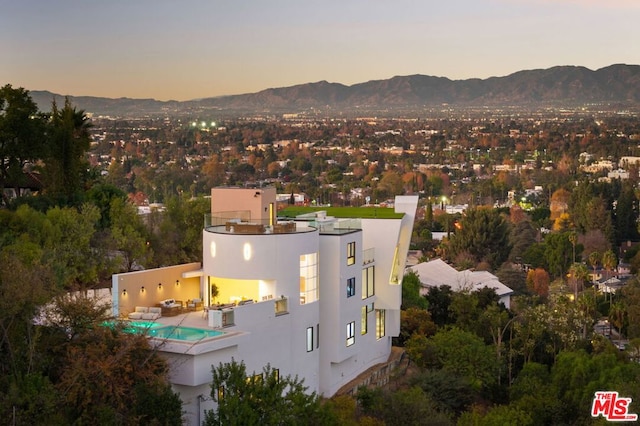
243	224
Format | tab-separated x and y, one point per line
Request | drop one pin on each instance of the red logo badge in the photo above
612	407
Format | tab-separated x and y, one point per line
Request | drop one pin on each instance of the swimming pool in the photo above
176	332
162	331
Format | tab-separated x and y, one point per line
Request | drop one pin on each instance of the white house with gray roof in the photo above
436	273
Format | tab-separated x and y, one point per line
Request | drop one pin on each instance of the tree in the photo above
532	392
265	398
631	299
428	213
411	407
107	376
68	141
558	252
177	237
21	135
578	274
484	233
464	354
449	391
594	261
609	262
538	281
523	235
411	297
576	375
439	299
499	415
414	321
626	215
129	234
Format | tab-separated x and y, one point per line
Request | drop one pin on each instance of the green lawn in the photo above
343	212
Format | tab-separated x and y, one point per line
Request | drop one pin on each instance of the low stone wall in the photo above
378	375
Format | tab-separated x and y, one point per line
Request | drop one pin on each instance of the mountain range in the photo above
562	86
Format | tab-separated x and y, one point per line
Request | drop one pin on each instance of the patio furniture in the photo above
153	314
138	312
170	307
195	304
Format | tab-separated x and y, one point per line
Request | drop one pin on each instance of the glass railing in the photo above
282	306
368	256
339	226
241	223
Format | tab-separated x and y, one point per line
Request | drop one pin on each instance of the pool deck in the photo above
188	319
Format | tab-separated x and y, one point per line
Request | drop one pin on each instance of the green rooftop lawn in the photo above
343	212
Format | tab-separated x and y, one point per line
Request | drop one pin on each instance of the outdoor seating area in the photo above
170	307
195	304
245	227
284	228
145	313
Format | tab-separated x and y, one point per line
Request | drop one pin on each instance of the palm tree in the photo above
578	274
594	261
609	262
617	313
69	139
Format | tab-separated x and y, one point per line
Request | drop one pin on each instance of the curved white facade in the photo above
317	299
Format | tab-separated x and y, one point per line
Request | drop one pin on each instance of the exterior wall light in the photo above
177	283
159	286
142	289
246	251
124	291
212	249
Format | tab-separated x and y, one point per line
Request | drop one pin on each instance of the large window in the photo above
351	333
368	282
380	314
308	278
351	253
351	287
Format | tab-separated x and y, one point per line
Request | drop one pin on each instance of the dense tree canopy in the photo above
22	135
484	234
262	398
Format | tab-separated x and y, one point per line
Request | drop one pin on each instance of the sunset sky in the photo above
187	49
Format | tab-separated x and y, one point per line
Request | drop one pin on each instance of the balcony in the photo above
241	223
368	256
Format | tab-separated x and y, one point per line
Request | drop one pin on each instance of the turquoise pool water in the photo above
162	331
189	334
144	324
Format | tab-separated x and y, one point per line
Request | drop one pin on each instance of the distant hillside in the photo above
563	85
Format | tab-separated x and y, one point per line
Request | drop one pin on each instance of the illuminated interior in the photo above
235	291
308	278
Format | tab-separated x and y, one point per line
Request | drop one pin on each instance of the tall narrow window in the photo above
309	339
351	253
351	333
363	320
380	314
317	336
351	287
368	281
308	278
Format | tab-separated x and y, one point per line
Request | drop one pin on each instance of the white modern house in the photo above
316	296
436	273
